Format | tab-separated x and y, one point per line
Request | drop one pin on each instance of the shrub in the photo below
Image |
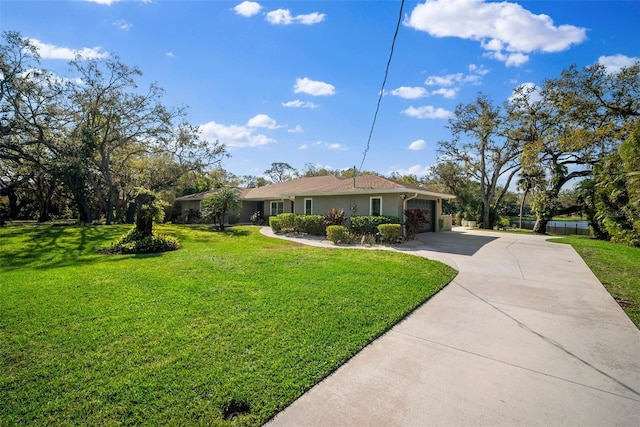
310	224
415	220
334	217
366	224
338	234
233	218
287	222
275	223
390	232
257	218
503	222
134	243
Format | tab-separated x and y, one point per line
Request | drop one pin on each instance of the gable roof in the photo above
329	185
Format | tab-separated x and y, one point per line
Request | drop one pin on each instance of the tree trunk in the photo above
144	217
486	215
524	197
14	206
541	226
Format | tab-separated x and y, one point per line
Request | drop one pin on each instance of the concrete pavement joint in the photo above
515	258
462	350
555	344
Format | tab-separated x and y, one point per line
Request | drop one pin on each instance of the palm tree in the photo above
532	178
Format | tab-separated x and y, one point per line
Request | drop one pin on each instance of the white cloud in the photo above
297	129
331	146
303	147
248	8
44	76
530	90
427	112
123	25
448	93
105	2
284	17
49	51
233	135
310	18
507	31
417	170
313	87
170	54
615	63
299	104
409	92
419	144
262	121
450	84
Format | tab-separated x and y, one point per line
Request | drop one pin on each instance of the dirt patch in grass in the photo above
626	303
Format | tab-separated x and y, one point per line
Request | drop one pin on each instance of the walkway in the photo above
524	335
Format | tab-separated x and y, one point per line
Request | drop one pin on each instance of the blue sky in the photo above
298	81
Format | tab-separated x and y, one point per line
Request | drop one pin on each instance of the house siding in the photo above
190	205
352	205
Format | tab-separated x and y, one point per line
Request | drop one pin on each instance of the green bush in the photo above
134	243
390	232
334	217
338	234
310	224
415	220
275	223
367	224
287	222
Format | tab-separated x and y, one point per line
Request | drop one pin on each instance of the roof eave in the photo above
371	191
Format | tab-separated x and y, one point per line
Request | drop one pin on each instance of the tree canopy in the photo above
84	142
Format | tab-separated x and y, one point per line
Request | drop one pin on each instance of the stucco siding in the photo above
352	205
185	206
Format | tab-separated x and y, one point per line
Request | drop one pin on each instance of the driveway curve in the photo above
524	335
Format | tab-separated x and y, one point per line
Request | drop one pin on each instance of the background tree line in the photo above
578	134
81	145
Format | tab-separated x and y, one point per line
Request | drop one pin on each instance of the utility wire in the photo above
384	81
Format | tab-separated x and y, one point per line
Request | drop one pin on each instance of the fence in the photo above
580	228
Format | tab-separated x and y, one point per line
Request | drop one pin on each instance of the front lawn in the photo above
233	322
616	266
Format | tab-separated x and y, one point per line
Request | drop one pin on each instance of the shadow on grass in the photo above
55	246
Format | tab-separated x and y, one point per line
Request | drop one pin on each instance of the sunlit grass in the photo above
173	338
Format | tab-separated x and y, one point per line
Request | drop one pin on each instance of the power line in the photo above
384	81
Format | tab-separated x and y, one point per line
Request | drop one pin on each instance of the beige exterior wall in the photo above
191	204
351	205
392	205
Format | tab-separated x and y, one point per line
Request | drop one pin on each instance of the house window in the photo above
277	208
375	206
308	206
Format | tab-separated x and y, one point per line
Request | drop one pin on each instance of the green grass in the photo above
173	338
616	266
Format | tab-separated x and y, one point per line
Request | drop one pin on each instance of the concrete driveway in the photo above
524	335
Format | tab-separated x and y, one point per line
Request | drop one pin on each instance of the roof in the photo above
328	185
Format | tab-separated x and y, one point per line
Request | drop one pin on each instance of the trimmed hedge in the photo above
310	224
338	234
288	222
366	224
275	223
390	233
